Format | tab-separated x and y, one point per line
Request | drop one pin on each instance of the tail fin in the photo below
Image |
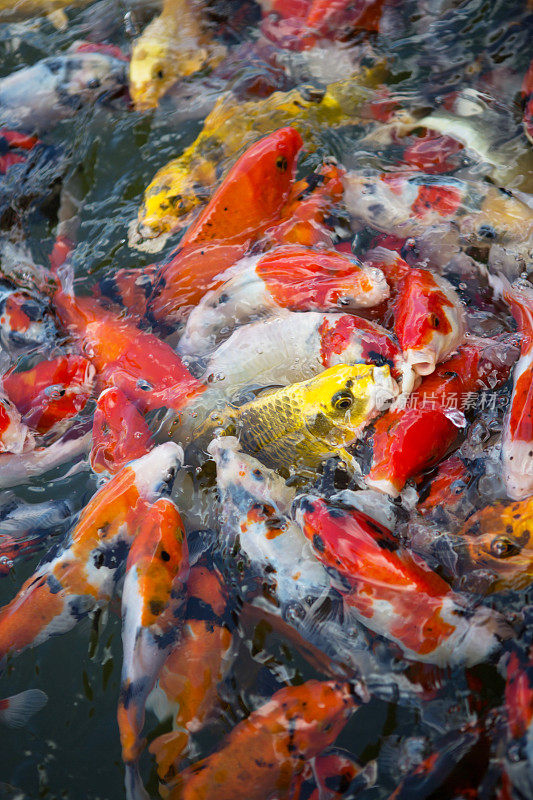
15	711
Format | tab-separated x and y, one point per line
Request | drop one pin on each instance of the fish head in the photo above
89	76
160	57
239	471
170	195
344	398
156	471
429	320
505	553
382	201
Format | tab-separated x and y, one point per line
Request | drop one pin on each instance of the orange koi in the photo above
51	392
249	200
146	369
499	539
15	436
517	446
193	670
80	575
394	592
267	750
152	613
411	439
120	433
445	490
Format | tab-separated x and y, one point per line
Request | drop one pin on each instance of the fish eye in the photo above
503	548
160	74
342	401
435	321
282	163
94	83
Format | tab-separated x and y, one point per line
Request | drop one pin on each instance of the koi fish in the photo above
143	367
120	433
498	539
297	346
174	45
51	392
187	181
152	609
429	321
15	711
296	724
15	436
517	445
24	526
253	502
24	321
302	424
519	718
17	468
394	592
297	279
308	217
301	25
33	98
443	492
80	575
247	202
198	662
441	212
415	436
336	775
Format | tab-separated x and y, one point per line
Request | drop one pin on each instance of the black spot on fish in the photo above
318	543
165	556
378	359
156	607
53	584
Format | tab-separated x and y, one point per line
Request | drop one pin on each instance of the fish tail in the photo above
133	783
15	711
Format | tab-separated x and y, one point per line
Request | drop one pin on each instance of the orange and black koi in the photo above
498	539
188	681
80	575
394	592
153	599
264	752
52	391
409	440
120	432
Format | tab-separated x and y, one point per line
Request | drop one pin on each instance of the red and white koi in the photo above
24	321
394	592
52	392
120	432
297	346
297	279
188	682
153	600
517	445
429	321
409	439
263	753
442	213
81	574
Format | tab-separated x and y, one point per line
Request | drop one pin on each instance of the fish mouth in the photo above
142	237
